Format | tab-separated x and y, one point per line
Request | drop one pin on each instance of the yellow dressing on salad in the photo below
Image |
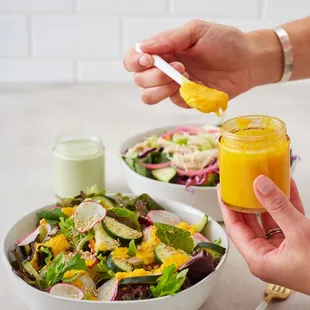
192	229
72	273
136	273
58	244
145	251
120	252
68	211
177	259
203	98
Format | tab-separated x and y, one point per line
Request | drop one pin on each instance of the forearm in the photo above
267	61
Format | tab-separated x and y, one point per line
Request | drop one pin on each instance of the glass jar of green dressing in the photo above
78	163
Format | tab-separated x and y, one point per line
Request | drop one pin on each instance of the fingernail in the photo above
264	185
145	61
148	43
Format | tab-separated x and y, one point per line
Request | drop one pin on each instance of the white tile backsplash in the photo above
37	6
136	29
123	6
13	36
84	40
218	8
76	37
287	9
28	70
93	71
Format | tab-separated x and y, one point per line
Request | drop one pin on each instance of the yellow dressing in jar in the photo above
203	98
251	146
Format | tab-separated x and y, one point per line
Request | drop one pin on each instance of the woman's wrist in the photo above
267	57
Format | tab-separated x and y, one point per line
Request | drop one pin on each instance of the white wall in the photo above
84	40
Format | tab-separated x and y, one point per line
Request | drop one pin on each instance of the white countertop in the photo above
31	116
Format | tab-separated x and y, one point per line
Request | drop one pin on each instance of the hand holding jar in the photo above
281	258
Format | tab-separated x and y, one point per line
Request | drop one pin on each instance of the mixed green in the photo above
101	248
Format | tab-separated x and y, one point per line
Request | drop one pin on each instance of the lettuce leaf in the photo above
57	269
52	216
170	282
125	217
175	237
132	249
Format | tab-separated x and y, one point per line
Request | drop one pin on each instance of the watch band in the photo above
288	57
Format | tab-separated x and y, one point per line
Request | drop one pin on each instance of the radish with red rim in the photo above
88	214
164	217
34	234
67	291
108	291
198	238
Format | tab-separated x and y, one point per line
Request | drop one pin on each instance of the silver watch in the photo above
287	53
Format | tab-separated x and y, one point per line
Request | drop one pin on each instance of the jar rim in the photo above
278	132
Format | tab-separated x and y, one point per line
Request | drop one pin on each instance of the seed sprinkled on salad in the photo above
129	249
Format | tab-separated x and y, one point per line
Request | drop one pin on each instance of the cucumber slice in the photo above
103	242
29	268
163	251
151	279
106	202
120	231
211	248
202	223
179	139
164	174
25	249
119	264
163	216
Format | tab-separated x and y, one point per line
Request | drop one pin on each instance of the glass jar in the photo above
78	163
251	146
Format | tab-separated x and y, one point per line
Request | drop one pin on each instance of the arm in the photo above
267	62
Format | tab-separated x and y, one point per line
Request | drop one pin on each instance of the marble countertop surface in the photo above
31	116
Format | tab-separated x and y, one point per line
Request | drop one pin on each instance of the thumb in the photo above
175	40
277	204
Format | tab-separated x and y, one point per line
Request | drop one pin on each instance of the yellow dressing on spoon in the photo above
204	99
197	96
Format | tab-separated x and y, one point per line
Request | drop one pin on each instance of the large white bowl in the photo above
189	299
202	198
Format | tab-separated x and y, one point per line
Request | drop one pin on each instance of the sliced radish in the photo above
53	231
164	217
135	261
88	283
192	130
67	291
108	291
198	237
147	233
88	214
155	166
192	173
30	237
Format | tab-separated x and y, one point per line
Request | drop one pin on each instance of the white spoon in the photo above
165	67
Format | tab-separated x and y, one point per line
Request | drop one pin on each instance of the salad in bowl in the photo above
185	155
100	248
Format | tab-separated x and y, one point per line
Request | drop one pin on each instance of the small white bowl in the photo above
200	197
191	298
